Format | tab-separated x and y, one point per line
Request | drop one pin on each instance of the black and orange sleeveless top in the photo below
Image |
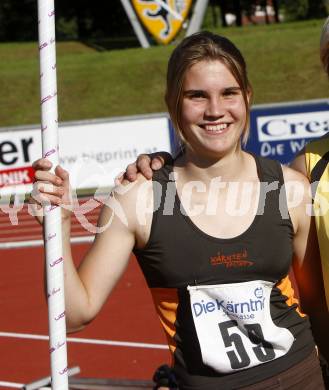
226	305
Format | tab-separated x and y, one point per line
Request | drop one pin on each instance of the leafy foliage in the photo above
304	9
76	19
16	20
92	20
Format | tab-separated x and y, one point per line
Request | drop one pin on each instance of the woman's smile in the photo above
215	128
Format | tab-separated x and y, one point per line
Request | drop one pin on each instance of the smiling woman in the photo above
219	279
187	55
213	115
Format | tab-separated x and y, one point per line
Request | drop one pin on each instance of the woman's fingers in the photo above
63	175
65	185
45	199
46	176
131	171
45	193
42	172
50	187
119	179
42	164
146	164
160	159
157	163
35	209
143	165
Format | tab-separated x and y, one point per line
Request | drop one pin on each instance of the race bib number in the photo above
234	325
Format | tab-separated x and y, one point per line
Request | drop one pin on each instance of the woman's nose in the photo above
214	108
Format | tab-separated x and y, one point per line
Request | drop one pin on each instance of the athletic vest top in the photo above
314	153
227	305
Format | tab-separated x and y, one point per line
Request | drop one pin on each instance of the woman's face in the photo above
213	112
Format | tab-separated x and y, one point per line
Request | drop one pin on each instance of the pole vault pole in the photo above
199	11
52	214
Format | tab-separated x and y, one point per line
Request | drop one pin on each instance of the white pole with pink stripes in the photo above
52	220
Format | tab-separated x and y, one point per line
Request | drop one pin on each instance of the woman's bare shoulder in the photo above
290	174
128	200
298	163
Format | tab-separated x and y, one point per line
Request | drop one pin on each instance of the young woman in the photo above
214	235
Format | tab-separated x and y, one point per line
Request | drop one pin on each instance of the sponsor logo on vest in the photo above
234	260
235	309
241	310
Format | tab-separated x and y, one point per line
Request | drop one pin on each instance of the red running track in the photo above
127	316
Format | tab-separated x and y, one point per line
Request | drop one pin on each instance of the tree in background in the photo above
75	19
90	20
16	23
237	10
275	5
223	10
304	9
93	19
316	9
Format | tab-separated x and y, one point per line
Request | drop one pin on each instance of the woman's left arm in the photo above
306	261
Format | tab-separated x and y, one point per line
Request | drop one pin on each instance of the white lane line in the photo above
86	341
11	384
36	243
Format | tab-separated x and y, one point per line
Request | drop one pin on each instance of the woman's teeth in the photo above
215	128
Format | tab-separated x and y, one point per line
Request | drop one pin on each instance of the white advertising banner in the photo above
18	150
292	126
93	152
280	131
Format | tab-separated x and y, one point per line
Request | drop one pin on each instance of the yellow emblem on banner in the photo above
162	18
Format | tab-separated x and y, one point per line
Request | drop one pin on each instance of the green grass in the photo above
283	62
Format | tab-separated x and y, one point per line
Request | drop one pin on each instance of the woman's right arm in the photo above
88	286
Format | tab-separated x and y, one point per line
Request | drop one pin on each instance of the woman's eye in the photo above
197	95
230	93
